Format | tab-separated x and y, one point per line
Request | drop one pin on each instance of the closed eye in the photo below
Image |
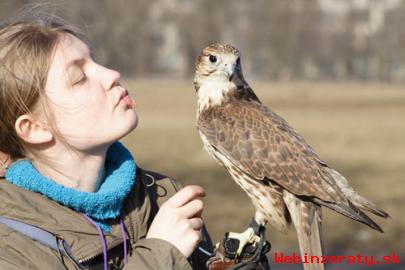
81	80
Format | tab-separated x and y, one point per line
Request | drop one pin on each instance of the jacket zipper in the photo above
99	252
120	241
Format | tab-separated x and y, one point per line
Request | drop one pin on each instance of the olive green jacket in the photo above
151	190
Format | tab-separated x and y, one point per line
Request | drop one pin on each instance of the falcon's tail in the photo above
354	197
307	219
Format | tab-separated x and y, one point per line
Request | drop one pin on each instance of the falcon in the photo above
283	176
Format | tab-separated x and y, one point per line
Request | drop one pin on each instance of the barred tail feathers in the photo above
307	219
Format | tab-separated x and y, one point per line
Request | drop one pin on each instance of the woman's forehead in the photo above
69	50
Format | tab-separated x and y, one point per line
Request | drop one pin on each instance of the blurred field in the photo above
357	129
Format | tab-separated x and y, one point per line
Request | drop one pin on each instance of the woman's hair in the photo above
27	44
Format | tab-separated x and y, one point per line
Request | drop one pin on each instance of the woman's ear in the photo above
32	130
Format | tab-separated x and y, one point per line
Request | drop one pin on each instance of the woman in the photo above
61	116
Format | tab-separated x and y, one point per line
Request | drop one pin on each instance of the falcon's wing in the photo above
265	146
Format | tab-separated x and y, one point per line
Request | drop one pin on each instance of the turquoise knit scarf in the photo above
105	204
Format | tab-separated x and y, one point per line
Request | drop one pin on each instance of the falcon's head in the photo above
218	62
219	77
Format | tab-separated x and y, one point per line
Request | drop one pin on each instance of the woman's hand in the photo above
179	220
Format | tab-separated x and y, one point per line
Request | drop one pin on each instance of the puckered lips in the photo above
125	99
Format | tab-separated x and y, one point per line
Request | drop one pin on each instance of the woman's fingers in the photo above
186	195
192	209
196	223
178	220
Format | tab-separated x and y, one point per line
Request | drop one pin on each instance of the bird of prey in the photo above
283	176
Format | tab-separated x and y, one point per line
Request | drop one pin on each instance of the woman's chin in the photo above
131	125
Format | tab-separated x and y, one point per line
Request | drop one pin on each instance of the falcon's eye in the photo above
212	58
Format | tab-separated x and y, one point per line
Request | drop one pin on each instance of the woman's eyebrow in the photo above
80	60
77	62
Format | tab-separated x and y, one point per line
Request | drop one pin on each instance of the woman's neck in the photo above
77	170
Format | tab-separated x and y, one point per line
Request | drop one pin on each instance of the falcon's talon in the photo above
244	238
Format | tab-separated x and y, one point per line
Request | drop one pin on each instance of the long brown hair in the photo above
27	43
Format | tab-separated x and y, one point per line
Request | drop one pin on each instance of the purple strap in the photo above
103	241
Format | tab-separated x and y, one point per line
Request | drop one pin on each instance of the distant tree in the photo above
279	39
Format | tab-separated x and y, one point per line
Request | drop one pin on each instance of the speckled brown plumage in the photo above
280	172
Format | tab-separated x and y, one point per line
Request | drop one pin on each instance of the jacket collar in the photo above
102	205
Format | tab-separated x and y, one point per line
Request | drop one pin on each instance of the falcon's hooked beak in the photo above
231	77
230	71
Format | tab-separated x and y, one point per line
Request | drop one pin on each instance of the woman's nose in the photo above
111	78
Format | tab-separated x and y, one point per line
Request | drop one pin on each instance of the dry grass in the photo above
357	129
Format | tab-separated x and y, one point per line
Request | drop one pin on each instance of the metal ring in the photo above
152	182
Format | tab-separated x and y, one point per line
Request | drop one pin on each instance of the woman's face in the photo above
89	106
